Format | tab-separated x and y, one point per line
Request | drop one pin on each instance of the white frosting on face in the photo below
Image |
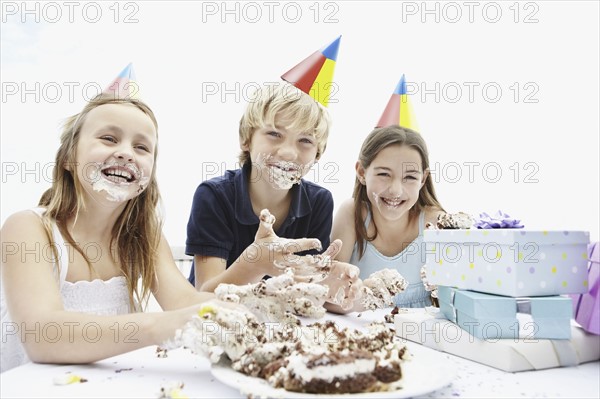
392	207
282	174
118	188
297	363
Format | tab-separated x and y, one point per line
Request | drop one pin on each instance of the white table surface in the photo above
140	374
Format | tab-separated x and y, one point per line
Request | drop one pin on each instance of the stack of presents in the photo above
511	298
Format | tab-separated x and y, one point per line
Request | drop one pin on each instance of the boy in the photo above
282	134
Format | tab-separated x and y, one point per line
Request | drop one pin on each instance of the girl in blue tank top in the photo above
382	225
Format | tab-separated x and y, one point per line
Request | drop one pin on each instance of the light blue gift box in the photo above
488	316
510	262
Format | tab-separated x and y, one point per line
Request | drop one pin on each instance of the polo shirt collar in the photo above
243	206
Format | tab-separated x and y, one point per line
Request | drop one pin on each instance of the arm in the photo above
211	238
343	281
213	272
170	288
320	226
206	268
256	261
333	308
54	334
343	229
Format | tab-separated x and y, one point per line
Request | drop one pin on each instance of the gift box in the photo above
586	307
505	354
510	262
487	316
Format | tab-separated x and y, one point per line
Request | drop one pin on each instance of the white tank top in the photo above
99	297
408	263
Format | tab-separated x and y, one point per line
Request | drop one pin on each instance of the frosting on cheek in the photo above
281	174
386	203
116	192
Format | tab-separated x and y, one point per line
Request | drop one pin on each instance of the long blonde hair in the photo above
375	142
137	231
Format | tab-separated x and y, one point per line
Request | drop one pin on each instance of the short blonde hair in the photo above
284	100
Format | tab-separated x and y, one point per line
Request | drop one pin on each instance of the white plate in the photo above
426	372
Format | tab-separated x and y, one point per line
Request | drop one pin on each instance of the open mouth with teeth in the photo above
119	174
286	172
288	168
392	202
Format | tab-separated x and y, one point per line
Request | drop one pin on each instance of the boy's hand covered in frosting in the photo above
341	278
269	249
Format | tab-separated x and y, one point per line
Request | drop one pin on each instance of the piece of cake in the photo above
340	361
278	299
328	373
318	358
380	288
458	220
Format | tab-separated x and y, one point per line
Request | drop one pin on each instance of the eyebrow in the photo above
384	168
118	130
110	128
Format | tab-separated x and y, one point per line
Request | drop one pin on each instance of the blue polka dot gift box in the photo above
487	316
432	330
510	262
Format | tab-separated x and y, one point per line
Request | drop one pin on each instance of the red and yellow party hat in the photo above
314	75
124	86
399	110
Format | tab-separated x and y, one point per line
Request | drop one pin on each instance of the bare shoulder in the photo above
343	222
432	213
22	225
346	209
343	229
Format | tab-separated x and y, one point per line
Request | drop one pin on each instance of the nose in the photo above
287	152
124	153
395	189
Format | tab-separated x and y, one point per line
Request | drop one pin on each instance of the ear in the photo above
360	172
244	146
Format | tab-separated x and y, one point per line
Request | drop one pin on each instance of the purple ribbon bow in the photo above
498	221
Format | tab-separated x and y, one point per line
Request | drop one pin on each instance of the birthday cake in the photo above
317	358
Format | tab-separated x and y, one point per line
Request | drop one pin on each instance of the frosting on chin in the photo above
283	179
115	192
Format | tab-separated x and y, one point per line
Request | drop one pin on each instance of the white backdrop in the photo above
506	93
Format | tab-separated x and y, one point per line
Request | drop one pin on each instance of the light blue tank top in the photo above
408	263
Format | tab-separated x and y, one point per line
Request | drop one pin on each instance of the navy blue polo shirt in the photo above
223	224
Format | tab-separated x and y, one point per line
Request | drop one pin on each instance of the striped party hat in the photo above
399	111
314	75
124	86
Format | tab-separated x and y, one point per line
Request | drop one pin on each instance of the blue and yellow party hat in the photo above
125	85
399	110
